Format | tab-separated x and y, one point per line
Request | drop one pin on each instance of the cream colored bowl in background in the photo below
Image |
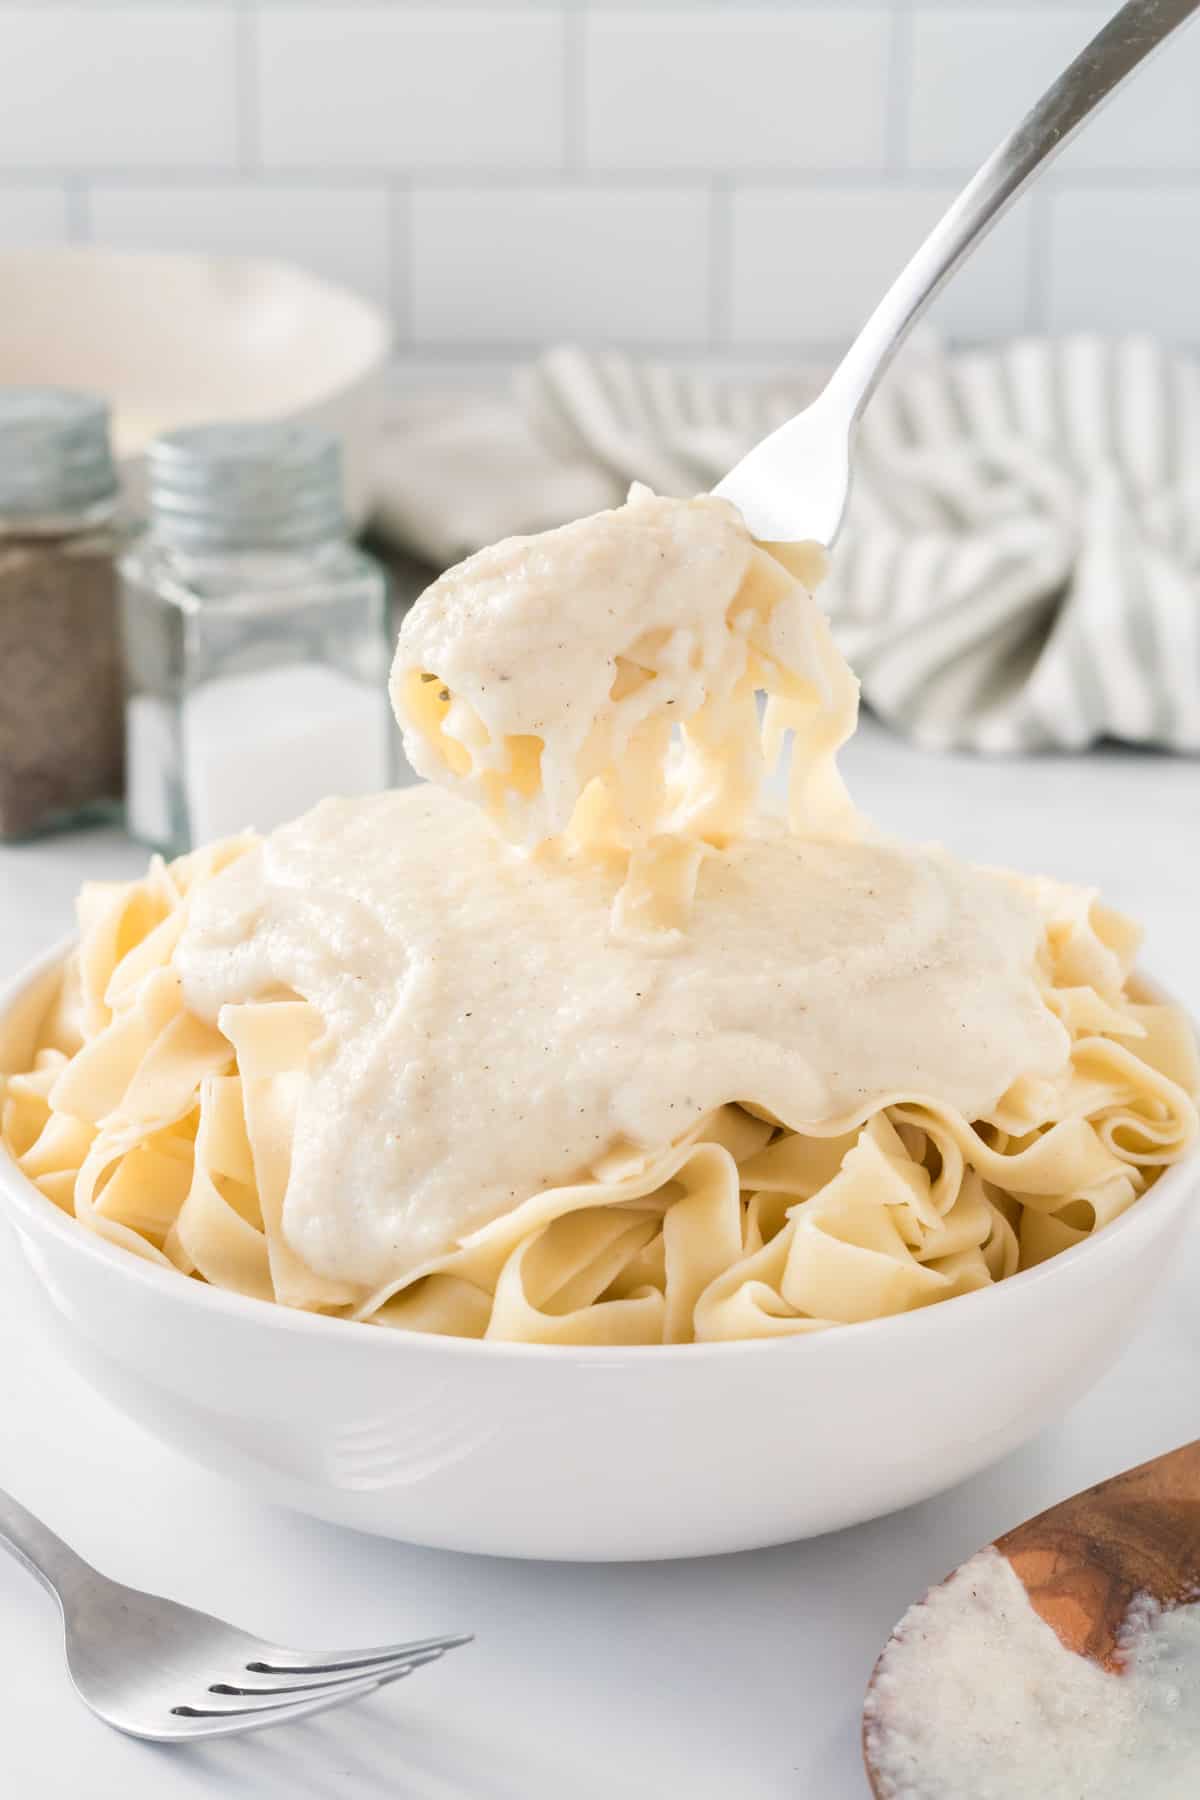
590	1453
175	340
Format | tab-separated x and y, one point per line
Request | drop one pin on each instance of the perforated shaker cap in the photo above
55	455
245	486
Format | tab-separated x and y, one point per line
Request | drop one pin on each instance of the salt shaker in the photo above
256	639
60	685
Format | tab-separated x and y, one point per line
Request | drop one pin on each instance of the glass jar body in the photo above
255	684
61	749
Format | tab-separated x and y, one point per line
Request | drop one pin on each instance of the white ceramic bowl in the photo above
183	340
586	1454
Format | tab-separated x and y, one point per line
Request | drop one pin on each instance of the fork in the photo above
794	484
159	1670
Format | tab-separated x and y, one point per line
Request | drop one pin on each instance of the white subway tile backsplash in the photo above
341	233
810	263
1122	259
397	87
976	69
1092	13
89	87
733	174
1154	123
522	265
32	216
736	88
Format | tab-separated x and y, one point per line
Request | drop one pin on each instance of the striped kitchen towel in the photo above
1020	564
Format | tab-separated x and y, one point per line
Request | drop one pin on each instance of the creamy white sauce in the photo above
488	1035
525	636
623	651
495	1022
976	1698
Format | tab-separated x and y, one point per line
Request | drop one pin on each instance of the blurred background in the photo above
689	179
511	256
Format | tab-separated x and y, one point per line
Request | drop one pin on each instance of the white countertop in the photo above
737	1677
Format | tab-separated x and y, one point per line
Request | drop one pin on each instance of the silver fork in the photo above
794	484
163	1671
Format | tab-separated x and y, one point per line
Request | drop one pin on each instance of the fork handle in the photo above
54	1563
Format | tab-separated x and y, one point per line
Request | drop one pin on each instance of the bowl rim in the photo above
376	330
1148	1213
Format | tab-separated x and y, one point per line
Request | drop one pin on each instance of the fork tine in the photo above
226	1709
255	1707
184	1724
294	1662
304	1681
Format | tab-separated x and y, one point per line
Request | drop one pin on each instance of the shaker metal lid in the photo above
245	485
55	454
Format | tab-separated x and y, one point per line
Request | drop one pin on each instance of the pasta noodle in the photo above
656	735
174	1141
809	1078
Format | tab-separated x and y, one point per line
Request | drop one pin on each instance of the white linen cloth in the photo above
1020	564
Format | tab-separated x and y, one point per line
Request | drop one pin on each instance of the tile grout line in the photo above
1177	180
720	272
899	77
574	89
401	265
1037	291
472	350
245	87
78	210
782	8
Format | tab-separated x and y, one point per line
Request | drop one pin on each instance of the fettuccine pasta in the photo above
656	1071
174	1140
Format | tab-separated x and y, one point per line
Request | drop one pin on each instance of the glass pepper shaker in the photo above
256	638
60	677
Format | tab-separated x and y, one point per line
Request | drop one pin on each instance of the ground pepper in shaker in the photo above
60	680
